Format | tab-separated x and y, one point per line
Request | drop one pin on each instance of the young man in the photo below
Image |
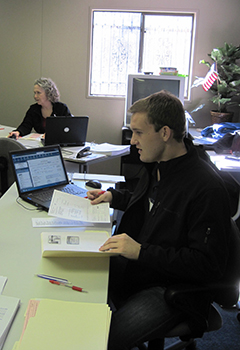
174	227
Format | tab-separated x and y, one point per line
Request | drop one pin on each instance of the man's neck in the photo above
174	150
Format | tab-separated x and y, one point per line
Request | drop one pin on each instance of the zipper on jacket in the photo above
155	207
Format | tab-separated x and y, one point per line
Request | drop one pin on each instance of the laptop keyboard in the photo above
44	196
71	189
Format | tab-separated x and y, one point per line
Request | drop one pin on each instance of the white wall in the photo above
51	38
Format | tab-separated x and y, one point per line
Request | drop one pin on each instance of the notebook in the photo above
38	172
66	131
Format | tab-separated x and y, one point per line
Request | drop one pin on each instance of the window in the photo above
133	42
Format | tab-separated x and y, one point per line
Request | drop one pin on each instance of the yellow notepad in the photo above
67	325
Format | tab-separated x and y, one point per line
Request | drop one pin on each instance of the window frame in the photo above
193	14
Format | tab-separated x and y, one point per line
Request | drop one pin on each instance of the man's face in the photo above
149	143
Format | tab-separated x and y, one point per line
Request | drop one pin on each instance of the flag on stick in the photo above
211	76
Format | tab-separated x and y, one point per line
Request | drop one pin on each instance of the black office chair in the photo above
6	173
189	299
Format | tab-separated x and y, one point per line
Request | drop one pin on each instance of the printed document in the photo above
74	244
68	206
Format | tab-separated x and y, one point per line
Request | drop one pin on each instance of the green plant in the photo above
227	86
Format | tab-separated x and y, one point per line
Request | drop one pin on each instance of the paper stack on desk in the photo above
110	149
66	325
8	309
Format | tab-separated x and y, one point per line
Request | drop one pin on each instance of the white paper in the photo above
57	222
8	309
109	148
99	177
70	207
67	244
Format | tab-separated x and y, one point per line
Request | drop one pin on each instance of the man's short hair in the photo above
163	108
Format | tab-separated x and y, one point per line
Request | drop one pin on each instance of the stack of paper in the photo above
110	149
8	309
99	177
67	325
31	140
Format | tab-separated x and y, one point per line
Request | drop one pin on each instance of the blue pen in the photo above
47	277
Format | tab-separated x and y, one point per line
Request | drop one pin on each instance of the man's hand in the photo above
98	196
122	244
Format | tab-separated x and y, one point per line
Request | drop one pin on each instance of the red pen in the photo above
78	289
99	194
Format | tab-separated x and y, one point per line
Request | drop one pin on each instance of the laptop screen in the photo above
39	168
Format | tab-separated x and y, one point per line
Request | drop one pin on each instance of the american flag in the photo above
210	78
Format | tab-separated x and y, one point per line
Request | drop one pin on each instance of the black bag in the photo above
228	144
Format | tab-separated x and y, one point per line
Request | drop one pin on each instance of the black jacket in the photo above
34	119
185	235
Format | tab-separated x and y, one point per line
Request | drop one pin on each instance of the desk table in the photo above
20	260
5	130
72	163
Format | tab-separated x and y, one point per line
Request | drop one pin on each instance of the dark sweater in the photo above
34	119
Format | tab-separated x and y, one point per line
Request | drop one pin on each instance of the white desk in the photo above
72	163
20	260
5	130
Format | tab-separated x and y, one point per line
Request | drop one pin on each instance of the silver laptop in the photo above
38	172
66	131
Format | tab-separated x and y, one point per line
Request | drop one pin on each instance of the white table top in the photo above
5	130
20	260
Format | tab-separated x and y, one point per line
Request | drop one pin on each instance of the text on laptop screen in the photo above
39	169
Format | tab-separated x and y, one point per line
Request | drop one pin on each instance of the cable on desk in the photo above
30	209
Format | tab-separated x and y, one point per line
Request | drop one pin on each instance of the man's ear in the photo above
166	133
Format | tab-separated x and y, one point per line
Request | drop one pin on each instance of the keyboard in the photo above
46	195
74	189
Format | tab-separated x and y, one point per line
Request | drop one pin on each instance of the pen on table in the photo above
52	278
78	289
99	194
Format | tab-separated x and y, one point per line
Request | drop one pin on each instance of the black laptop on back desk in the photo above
66	131
38	172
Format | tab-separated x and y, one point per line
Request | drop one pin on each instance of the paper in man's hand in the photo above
71	207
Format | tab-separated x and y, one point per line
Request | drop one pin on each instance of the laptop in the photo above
66	131
40	171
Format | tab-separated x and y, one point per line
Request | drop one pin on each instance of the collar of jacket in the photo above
175	165
168	168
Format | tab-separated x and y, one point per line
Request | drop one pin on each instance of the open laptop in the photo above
38	172
66	131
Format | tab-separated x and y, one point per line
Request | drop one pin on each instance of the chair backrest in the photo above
7	176
194	300
228	287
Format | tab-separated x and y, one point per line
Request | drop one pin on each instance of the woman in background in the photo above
47	104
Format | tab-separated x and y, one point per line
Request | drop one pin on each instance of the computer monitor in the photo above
143	85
